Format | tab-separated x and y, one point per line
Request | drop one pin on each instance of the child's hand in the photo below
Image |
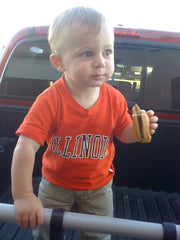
29	211
153	121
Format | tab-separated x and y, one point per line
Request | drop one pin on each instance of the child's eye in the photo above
107	52
87	54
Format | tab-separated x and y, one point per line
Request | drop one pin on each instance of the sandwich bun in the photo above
141	125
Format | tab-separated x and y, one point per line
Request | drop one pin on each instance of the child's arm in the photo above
28	208
127	135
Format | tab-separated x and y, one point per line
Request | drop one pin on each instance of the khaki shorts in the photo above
97	202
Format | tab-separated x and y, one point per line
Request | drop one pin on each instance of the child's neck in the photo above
86	97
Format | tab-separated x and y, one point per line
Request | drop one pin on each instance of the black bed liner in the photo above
134	204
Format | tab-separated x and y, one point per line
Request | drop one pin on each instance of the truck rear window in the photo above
144	74
163	84
29	71
128	71
148	75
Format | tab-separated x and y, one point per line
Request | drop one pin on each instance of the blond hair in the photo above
85	15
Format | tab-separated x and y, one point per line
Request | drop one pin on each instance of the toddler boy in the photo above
77	116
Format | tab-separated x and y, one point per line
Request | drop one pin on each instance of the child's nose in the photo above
99	61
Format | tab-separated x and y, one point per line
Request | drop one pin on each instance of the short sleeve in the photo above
39	120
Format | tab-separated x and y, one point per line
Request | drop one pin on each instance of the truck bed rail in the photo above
92	223
130	205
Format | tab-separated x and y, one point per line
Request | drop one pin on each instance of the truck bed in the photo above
129	203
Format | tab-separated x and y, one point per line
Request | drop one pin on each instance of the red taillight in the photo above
126	33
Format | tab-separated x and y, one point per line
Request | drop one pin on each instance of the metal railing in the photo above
92	223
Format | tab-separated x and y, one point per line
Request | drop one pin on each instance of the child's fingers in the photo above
150	113
22	220
33	220
153	119
153	127
40	217
25	221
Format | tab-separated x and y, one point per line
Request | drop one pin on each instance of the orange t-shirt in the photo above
80	142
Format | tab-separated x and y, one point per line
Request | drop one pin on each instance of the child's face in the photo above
88	57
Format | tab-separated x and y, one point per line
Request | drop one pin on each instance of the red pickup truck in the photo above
147	71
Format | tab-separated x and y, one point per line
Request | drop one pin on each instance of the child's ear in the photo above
56	62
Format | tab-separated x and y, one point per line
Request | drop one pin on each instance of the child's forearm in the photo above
28	208
127	135
22	167
21	176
